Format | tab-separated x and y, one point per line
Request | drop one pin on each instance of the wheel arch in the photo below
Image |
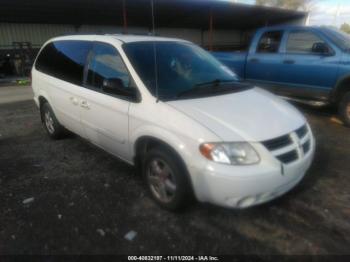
42	100
147	142
43	97
342	87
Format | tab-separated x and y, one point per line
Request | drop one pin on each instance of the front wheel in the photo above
167	179
344	109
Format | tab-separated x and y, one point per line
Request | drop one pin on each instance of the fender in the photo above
177	143
44	94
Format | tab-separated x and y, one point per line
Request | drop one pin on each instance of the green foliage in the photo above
289	4
345	27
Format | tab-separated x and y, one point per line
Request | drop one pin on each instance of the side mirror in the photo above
116	86
321	48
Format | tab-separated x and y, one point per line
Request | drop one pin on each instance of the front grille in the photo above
278	142
288	157
301	132
306	147
288	148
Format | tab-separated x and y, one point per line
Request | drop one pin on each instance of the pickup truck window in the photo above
270	42
303	42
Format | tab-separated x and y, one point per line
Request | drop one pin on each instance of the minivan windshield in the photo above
183	69
340	38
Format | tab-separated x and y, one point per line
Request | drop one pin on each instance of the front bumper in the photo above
245	186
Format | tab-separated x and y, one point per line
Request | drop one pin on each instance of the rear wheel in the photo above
50	122
167	179
344	109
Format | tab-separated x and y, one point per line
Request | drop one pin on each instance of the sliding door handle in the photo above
74	100
84	104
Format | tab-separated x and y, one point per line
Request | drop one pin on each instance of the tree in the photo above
345	27
304	5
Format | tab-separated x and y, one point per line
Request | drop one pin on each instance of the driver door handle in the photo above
254	60
289	62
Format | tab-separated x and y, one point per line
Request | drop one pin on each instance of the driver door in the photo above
265	59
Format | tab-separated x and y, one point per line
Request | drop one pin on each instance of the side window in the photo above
106	63
64	60
303	42
270	42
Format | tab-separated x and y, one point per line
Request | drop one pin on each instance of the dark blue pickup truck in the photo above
303	63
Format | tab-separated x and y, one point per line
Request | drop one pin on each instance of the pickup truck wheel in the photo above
344	109
166	179
50	122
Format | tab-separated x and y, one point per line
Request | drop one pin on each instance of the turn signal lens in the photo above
206	150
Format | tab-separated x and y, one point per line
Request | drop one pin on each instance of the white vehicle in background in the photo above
169	107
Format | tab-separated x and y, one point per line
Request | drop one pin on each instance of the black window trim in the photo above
279	47
332	52
90	87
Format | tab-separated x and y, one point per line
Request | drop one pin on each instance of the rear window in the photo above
64	60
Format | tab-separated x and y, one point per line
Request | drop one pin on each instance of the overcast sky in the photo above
325	12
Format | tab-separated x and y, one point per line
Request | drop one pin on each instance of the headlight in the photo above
235	153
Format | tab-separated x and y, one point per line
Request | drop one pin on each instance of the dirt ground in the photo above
83	201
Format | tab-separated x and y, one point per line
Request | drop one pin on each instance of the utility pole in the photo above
211	30
336	15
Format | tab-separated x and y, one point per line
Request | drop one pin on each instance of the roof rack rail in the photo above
133	34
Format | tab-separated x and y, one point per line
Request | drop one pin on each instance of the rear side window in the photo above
270	42
302	42
64	60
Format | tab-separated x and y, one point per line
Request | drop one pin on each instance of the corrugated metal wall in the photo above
107	29
38	34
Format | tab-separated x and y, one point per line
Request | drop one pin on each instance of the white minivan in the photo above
171	109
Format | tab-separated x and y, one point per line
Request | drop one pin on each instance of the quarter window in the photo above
64	60
303	42
270	42
106	63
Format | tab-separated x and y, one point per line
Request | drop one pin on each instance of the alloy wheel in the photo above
161	180
49	122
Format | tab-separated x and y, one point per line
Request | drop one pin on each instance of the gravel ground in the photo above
68	197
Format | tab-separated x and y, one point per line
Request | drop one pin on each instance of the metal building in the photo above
213	24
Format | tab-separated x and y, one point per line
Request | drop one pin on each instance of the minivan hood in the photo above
252	115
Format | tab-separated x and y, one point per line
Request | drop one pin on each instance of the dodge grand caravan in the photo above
171	109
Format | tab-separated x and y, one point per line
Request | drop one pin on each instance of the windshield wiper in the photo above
202	87
215	82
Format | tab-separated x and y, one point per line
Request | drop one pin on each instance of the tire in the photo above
167	179
344	109
53	128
